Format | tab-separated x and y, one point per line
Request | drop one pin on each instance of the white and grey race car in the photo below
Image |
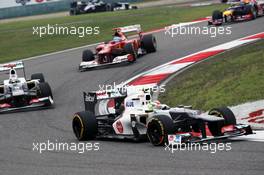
18	93
93	6
136	115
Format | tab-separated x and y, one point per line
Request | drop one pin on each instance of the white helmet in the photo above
12	76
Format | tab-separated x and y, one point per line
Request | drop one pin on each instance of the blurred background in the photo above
18	8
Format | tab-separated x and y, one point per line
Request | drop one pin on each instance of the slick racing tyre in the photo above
225	113
73	12
84	125
38	76
45	91
129	49
254	13
249	9
87	55
149	43
217	15
109	7
158	129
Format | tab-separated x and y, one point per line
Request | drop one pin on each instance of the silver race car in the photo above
135	116
18	93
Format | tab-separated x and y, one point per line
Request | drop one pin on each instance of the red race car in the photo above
120	49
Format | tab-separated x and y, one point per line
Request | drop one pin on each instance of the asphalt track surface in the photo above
20	130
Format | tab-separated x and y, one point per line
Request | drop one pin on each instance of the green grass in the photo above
231	78
17	41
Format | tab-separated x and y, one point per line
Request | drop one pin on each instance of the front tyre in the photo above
45	91
158	129
38	76
87	56
84	125
254	13
225	113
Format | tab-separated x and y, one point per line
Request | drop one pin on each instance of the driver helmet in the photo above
117	39
246	1
12	76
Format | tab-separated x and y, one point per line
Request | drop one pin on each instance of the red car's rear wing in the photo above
127	29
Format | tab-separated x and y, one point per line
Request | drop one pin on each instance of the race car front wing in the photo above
85	65
37	103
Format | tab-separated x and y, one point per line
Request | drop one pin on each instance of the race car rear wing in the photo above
90	100
13	65
127	29
96	101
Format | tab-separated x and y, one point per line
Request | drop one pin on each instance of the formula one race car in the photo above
21	94
82	7
92	6
245	10
120	49
135	115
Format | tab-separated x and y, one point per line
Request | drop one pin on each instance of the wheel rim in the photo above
217	114
155	133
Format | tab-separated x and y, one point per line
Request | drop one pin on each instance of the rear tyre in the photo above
225	113
149	43
87	55
109	7
217	15
38	76
129	49
84	125
158	129
73	12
